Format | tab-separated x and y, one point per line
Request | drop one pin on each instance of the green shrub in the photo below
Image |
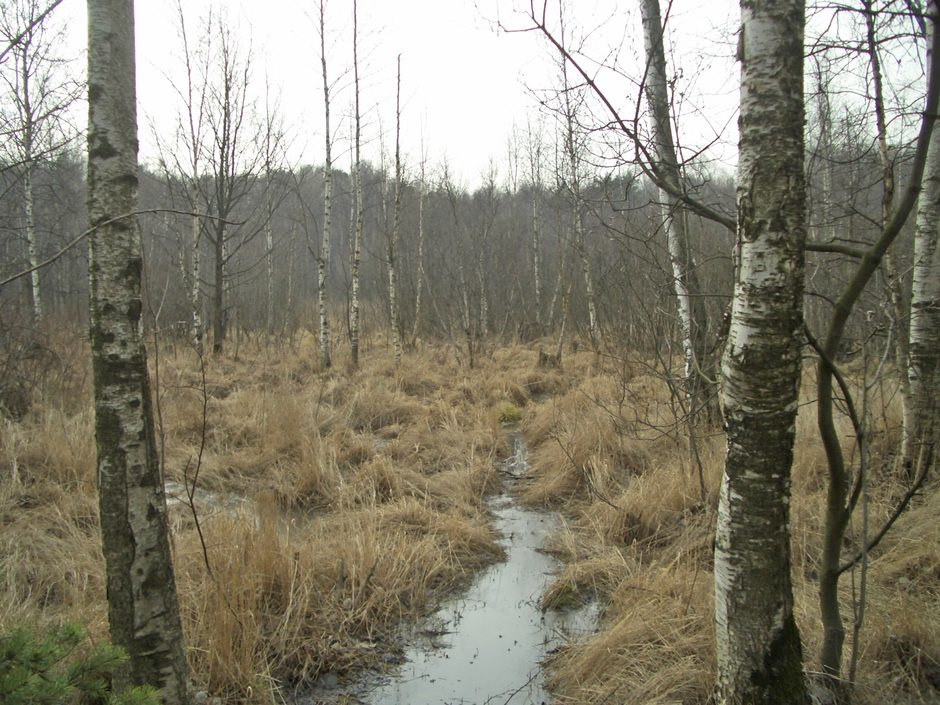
53	670
508	413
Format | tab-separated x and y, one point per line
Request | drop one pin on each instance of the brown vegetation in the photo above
334	504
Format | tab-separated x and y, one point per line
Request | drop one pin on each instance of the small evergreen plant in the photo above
53	670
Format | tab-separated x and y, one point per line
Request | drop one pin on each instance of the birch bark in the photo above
758	644
323	260
419	279
357	187
924	369
142	602
396	225
699	371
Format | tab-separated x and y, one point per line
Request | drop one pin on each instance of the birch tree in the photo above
419	266
573	181
534	160
924	365
323	258
33	120
699	371
392	242
758	644
184	160
356	255
142	604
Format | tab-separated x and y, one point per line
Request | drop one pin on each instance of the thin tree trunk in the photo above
699	370
143	610
289	304
218	292
419	280
536	259
269	265
758	644
323	260
924	369
574	187
32	248
357	178
588	279
196	298
484	326
396	225
893	280
924	354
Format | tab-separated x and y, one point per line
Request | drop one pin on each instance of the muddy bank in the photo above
484	646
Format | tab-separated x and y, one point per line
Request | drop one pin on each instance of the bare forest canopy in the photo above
490	227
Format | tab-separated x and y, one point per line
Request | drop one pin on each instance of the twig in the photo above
13	41
191	486
902	505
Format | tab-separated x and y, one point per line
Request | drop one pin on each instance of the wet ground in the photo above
484	647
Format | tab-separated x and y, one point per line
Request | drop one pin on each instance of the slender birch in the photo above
893	280
574	187
187	155
758	644
699	371
142	604
420	275
34	117
357	200
323	259
924	368
534	154
396	225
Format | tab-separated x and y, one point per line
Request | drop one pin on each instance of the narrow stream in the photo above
485	647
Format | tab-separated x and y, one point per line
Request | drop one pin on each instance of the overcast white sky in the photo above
464	84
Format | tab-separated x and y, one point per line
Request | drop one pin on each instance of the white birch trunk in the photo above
357	181
536	258
574	187
419	279
691	313
289	304
323	260
32	249
757	641
586	273
484	301
396	225
893	282
269	266
196	298
924	368
142	603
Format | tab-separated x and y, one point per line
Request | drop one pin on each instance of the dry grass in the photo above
639	537
333	504
337	503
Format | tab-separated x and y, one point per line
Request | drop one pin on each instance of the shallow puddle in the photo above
484	647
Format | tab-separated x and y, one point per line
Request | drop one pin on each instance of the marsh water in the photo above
484	647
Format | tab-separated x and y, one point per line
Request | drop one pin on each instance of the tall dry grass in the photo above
333	504
639	537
